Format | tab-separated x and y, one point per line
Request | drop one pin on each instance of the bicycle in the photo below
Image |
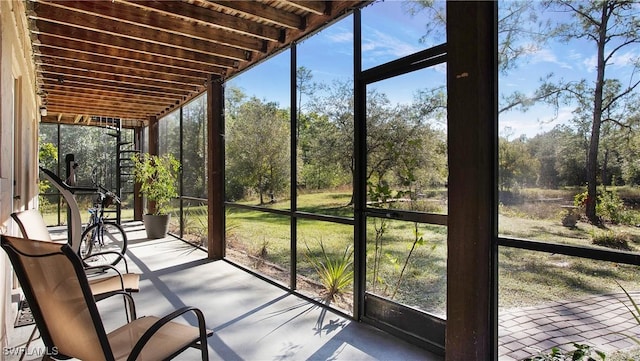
102	242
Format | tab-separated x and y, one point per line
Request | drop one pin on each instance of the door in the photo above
405	211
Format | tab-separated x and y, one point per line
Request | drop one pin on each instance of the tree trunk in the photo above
604	177
592	161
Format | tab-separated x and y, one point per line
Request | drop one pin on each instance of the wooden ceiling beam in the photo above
114	112
64	33
69	71
129	32
95	96
148	108
314	7
133	59
81	91
214	19
124	12
95	66
69	47
63	77
263	12
107	85
70	119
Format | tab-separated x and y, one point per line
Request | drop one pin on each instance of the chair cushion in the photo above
109	284
171	337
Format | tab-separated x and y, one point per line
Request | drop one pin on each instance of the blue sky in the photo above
389	33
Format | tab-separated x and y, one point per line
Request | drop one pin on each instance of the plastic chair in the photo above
55	285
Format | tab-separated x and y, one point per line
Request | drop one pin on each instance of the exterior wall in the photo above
18	139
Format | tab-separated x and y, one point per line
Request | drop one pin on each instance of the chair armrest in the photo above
103	268
129	302
163	321
124	259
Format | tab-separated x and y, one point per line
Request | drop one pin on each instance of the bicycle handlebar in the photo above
106	196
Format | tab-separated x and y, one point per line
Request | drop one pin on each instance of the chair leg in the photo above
26	345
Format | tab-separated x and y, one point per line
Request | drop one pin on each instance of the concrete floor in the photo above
251	319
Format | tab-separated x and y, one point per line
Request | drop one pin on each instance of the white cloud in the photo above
379	44
625	59
619	60
539	119
547	56
341	37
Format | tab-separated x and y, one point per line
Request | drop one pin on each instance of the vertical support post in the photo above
215	165
359	177
181	174
472	151
154	149
138	209
295	135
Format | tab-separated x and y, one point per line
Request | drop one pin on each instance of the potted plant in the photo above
157	176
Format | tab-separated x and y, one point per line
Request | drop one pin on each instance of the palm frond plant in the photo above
335	272
634	310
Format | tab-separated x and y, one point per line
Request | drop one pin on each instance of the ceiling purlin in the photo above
97	103
75	49
92	38
133	59
105	93
128	32
127	13
112	110
113	85
263	13
118	77
105	96
107	68
213	19
314	7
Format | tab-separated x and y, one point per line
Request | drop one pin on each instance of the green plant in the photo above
580	352
609	206
612	239
336	273
635	311
418	240
157	176
379	193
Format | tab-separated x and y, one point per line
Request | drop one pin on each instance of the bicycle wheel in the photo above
100	238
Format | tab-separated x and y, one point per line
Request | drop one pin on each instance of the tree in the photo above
194	143
304	86
612	26
257	148
335	103
517	23
516	165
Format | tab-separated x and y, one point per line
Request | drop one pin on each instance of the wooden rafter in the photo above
140	59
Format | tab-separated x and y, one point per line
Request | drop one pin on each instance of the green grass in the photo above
529	278
259	238
267	236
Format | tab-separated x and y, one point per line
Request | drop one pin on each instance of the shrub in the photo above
609	206
335	273
580	352
612	240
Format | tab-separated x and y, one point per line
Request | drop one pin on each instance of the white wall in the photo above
18	138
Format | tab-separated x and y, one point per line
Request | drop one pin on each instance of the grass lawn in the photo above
419	280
